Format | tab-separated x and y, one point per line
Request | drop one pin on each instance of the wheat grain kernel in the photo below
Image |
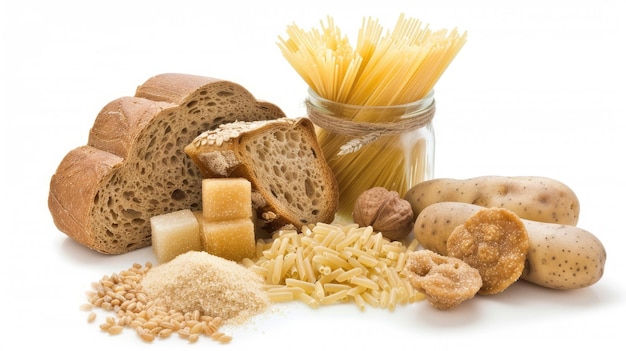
167	325
177	324
164	333
124	321
217	321
216	335
147	337
91	317
225	339
156	331
205	318
183	333
197	328
115	329
209	328
150	325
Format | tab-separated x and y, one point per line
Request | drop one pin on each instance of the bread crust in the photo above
120	137
120	123
72	188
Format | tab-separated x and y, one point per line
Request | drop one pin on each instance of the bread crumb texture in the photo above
286	161
290	176
134	166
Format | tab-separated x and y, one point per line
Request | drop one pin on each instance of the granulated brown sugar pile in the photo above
192	295
207	283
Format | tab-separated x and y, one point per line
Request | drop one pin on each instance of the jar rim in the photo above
427	98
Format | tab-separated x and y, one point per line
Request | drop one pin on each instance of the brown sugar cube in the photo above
226	198
233	240
174	233
200	218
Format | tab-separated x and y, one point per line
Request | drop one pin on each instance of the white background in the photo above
537	90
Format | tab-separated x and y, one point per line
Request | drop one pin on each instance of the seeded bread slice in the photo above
292	183
133	167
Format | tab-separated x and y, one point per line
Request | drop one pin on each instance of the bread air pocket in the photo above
133	167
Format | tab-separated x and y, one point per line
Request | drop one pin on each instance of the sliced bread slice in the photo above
292	183
133	167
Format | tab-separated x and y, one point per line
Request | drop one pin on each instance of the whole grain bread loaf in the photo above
133	167
292	183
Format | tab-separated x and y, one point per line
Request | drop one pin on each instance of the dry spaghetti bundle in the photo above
366	142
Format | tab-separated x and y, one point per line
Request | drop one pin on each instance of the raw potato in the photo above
534	198
559	256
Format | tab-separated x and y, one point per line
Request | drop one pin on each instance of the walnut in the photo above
385	211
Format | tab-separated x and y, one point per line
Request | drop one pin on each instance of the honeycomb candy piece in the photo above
494	241
444	281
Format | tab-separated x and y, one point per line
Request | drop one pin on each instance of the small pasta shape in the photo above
326	263
280	296
334	297
334	287
308	299
366	282
307	287
349	274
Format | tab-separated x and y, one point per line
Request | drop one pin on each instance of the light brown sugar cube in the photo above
200	218
233	240
175	233
226	198
201	222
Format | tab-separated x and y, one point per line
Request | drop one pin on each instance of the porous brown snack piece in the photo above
291	182
494	241
133	167
444	281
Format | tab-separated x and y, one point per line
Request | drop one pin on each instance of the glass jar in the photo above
374	146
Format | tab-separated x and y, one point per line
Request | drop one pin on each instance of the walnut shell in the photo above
385	211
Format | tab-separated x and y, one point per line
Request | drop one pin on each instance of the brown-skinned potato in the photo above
535	198
559	257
